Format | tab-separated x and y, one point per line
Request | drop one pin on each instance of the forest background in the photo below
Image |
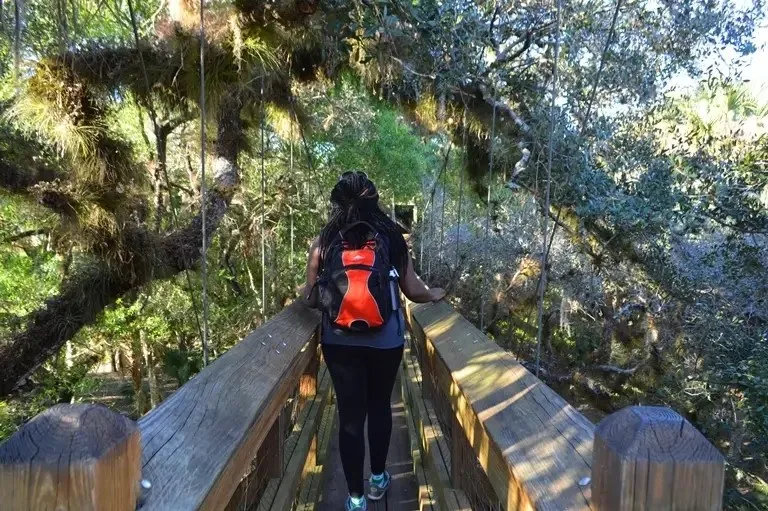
656	288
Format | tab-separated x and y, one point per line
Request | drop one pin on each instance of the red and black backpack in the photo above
358	284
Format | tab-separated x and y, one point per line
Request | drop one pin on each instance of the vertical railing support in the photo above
273	447
651	458
72	457
308	381
308	390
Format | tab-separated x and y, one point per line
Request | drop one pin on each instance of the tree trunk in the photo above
139	399
155	397
605	349
229	265
69	358
113	361
181	341
159	174
123	364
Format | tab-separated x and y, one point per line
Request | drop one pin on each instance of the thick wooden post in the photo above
651	458
72	457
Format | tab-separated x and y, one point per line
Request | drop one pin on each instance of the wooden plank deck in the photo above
403	495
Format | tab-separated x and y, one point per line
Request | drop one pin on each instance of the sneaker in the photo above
358	504
379	486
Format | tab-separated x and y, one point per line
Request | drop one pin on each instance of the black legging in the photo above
363	379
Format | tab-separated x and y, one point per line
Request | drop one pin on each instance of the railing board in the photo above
426	501
311	487
428	430
533	446
199	442
305	434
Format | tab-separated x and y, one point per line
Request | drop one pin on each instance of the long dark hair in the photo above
355	199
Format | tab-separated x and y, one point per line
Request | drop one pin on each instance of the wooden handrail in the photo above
199	442
490	433
197	445
536	450
533	446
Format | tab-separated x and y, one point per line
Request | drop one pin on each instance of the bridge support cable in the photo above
461	186
290	209
585	120
545	229
203	187
431	205
487	218
263	210
157	132
442	218
584	124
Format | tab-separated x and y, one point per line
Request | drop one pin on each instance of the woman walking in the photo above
354	271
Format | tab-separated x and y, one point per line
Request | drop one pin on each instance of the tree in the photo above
456	53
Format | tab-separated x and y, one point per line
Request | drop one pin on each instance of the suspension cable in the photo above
487	218
430	204
166	179
421	244
461	185
545	229
442	218
290	206
590	102
430	247
263	212
584	124
203	187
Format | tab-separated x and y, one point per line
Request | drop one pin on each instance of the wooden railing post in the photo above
308	390
273	447
72	457
308	381
651	458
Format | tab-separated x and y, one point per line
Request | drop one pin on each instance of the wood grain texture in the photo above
312	485
199	442
533	446
72	457
303	454
433	445
403	494
426	500
651	458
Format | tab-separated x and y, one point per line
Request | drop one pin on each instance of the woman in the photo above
362	354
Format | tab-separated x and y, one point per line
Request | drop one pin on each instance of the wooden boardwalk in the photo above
403	495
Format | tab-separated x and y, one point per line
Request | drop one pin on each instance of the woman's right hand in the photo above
436	294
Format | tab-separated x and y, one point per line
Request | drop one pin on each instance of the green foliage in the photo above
663	200
391	155
30	271
57	384
182	365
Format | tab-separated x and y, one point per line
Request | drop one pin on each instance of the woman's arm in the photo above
313	267
415	290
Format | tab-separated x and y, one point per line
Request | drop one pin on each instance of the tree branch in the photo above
606	368
504	107
17	180
23	234
88	292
